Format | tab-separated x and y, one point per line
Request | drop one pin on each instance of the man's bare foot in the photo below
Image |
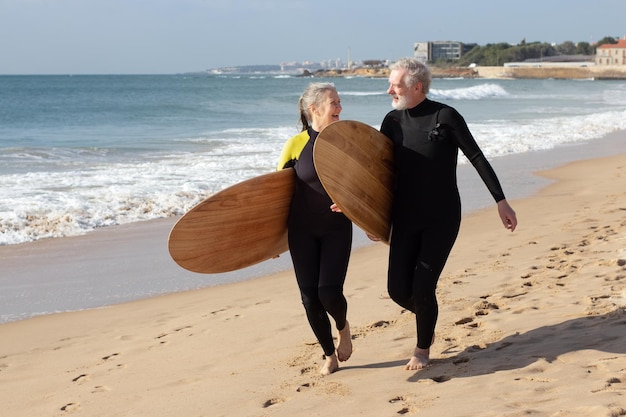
344	347
331	365
419	360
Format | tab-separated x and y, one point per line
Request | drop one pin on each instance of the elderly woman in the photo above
320	236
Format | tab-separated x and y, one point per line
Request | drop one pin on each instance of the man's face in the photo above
403	96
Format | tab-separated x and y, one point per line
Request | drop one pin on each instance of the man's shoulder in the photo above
444	110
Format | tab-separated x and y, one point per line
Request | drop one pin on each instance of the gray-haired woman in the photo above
320	236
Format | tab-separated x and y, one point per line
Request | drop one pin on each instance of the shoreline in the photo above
539	71
531	322
91	271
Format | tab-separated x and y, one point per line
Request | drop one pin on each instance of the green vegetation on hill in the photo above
497	54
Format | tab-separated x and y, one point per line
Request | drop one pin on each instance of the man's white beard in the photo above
400	104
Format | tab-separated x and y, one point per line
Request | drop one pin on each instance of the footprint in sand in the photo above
464	321
272	401
441	378
379	324
112	355
482	307
161	336
307	370
406	408
476	348
82	378
177	330
514	294
461	360
305	386
221	310
234	316
617	412
69	407
335	388
100	388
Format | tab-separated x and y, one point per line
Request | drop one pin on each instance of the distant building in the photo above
612	53
421	51
435	50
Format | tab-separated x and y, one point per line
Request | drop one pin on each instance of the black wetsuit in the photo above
427	207
319	242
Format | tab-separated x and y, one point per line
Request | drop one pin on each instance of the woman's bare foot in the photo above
419	360
344	347
331	365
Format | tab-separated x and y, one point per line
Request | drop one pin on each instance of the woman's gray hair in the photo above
312	95
416	72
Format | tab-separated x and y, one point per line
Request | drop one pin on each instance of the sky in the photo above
177	36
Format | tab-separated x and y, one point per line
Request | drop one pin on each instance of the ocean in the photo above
80	154
83	152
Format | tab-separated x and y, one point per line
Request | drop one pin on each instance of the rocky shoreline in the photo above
525	72
383	72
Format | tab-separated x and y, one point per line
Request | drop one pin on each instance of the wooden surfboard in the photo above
355	164
237	227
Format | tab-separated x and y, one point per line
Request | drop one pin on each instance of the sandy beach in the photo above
531	323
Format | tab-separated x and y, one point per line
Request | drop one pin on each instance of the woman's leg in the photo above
305	254
335	255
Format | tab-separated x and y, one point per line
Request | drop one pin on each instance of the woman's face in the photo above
327	111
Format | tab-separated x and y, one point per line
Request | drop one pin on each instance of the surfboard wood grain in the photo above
237	227
355	164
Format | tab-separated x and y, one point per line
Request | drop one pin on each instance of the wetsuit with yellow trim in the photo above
319	242
427	207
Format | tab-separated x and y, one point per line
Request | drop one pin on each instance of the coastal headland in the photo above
554	71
